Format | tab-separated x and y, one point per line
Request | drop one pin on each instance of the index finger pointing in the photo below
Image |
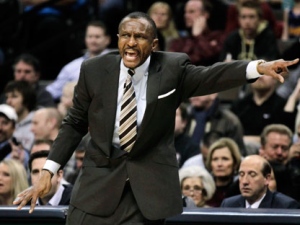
292	62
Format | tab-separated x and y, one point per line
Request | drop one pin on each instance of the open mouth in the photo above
131	55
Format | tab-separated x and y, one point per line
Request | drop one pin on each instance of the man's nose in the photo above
132	41
244	180
279	151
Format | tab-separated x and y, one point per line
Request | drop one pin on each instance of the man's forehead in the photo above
3	117
254	164
135	22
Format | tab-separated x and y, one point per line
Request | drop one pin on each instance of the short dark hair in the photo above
100	24
266	168
26	90
37	155
28	59
142	15
252	5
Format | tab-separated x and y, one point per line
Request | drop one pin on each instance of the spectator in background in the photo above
197	183
291	22
13	179
253	40
266	14
265	106
41	144
9	145
223	161
254	178
293	168
27	68
162	15
45	145
66	100
59	193
207	115
294	151
79	155
200	160
185	147
46	123
8	119
22	97
276	140
97	40
202	45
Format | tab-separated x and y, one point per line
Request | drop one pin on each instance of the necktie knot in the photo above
131	72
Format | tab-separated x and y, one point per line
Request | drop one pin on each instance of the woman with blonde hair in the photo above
223	161
13	180
162	15
197	183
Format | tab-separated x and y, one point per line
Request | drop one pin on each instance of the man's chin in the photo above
245	194
131	65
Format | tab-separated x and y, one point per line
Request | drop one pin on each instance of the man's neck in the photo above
260	97
93	54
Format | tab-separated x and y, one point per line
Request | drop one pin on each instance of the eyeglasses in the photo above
196	189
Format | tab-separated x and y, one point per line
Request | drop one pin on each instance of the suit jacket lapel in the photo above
267	200
153	83
241	202
110	96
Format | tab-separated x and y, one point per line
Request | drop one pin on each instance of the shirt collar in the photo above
54	201
256	204
139	71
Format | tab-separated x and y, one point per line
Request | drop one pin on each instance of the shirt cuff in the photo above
52	166
251	71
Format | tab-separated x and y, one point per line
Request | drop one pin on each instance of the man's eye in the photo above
252	174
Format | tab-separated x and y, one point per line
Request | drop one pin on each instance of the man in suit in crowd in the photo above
60	192
134	180
254	178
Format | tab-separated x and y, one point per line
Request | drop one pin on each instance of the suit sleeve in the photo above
75	124
199	80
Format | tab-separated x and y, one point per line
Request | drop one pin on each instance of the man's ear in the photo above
60	175
268	179
261	152
154	44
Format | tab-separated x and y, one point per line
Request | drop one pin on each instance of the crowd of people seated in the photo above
245	153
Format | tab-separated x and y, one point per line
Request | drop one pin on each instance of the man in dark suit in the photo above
254	178
136	182
60	193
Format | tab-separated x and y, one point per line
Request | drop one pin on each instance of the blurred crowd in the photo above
241	145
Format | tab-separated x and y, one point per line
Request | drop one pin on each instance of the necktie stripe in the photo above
130	113
128	117
127	130
130	103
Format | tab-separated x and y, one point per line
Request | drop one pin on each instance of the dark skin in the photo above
136	42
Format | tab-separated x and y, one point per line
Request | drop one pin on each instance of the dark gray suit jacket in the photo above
151	165
271	200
